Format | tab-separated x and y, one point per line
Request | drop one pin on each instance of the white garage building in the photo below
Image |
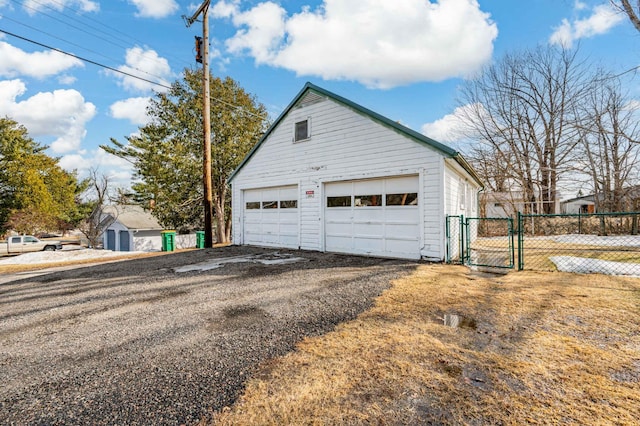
331	175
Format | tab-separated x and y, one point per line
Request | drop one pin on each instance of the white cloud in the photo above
67	79
224	9
601	20
266	29
579	5
132	109
117	169
448	128
632	105
34	6
61	114
154	8
376	42
146	64
15	62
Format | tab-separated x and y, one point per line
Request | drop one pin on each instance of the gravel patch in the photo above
136	342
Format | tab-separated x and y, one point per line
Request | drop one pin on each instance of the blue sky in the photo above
404	59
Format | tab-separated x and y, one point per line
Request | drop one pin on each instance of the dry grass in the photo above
535	348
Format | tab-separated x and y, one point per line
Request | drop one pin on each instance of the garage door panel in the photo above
369	226
270	228
401	213
365	187
401	231
288	193
368	213
368	245
289	215
407	248
266	222
288	231
339	188
339	243
375	230
252	195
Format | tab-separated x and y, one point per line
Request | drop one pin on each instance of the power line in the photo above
84	59
221	101
92	29
75	44
60	38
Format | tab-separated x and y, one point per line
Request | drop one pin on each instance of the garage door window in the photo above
368	200
344	201
407	199
253	205
289	204
269	204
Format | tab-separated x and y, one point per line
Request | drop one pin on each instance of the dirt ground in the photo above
135	342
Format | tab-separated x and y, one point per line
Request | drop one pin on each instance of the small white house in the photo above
331	175
131	229
583	205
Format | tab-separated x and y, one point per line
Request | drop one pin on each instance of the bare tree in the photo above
520	113
609	135
632	12
96	222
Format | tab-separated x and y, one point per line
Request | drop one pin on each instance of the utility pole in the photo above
206	121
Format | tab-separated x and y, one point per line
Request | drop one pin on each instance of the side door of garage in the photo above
271	217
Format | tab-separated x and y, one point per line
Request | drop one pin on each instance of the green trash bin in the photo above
168	240
199	239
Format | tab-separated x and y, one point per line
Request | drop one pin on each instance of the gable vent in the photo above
308	99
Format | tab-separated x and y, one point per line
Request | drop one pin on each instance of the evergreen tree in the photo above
36	194
167	154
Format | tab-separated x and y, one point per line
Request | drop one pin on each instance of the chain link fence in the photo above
454	230
606	243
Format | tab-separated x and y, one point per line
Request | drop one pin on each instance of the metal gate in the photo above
485	242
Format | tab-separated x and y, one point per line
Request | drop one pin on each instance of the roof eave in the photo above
403	130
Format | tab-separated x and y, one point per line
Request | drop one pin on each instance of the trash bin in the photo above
168	240
199	239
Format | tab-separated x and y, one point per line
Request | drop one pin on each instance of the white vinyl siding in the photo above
460	193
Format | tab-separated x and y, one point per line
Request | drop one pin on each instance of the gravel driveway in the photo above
136	342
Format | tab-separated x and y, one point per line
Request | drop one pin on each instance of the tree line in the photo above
535	118
538	118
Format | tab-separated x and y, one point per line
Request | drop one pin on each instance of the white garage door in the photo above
375	217
271	217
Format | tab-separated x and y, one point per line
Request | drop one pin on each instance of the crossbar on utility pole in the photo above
206	121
